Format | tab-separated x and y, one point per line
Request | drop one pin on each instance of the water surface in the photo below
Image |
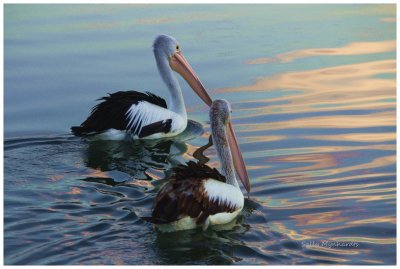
313	93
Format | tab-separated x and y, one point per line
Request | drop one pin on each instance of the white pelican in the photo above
146	115
198	195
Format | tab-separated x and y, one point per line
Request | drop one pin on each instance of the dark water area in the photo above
313	92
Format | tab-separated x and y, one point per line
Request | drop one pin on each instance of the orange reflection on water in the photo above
97	173
368	191
260	139
340	152
355	48
380	241
327	231
303	204
319	161
381	119
377	197
356	137
326	258
334	189
375	163
318	218
374	220
312	202
303	178
74	190
292	234
327	80
56	177
353	86
337	250
144	183
373	261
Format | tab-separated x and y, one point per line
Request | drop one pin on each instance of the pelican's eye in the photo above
177	48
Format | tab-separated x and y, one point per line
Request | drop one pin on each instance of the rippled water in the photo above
314	99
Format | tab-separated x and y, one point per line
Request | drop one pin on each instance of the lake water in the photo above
313	91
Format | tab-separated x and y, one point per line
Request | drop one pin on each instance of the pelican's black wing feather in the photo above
192	170
184	195
111	112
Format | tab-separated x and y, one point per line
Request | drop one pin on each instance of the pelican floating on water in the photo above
198	195
146	115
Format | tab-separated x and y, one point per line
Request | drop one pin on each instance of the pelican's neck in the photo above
220	140
175	102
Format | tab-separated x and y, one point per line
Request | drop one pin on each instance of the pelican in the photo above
146	115
198	195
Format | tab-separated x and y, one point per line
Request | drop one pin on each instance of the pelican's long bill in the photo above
237	157
179	64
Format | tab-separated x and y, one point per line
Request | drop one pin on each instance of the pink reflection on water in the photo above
355	48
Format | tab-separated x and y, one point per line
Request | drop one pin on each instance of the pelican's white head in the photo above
166	45
226	143
169	56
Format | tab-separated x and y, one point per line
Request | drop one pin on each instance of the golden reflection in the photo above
374	220
324	231
326	201
355	48
380	119
356	137
260	139
319	161
74	190
322	80
292	234
353	86
329	190
346	251
97	173
375	163
306	178
286	203
373	261
318	218
191	149
368	191
326	258
377	198
56	177
144	183
379	241
256	167
330	149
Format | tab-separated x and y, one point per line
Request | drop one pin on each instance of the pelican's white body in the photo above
146	113
216	191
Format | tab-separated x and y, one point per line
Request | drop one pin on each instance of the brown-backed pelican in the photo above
198	195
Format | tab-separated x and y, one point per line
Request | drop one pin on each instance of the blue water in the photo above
313	92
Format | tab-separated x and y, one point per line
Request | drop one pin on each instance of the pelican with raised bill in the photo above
198	195
146	115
